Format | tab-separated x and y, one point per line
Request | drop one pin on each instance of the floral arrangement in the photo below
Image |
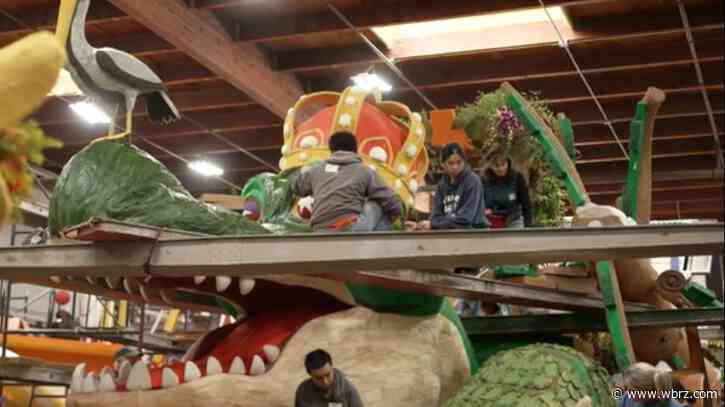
19	147
493	126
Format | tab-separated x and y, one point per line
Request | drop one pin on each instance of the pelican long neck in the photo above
72	21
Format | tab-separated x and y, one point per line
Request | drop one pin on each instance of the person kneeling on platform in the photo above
327	386
348	195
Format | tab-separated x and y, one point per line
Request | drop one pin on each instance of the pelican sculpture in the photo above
110	77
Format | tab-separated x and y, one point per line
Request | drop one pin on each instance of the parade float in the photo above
280	317
400	347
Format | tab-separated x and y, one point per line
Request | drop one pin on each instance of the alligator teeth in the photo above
108	370
257	367
90	384
213	366
191	372
112	282
222	283
144	293
107	383
169	378
77	378
139	378
237	366
272	353
246	285
130	285
124	370
199	279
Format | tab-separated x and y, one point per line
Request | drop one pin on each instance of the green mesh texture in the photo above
113	180
540	375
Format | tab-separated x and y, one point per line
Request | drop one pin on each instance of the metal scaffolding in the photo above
249	256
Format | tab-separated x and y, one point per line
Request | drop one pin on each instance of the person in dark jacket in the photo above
326	386
506	194
459	201
348	195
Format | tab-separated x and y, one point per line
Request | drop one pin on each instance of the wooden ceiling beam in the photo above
660	146
368	16
230	120
200	35
488	73
56	111
665	126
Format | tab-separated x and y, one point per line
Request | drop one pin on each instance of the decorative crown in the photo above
391	138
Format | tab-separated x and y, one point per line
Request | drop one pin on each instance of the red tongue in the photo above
247	338
270	328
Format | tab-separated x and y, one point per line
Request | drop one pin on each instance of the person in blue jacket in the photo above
459	202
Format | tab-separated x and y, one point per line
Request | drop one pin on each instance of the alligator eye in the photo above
304	207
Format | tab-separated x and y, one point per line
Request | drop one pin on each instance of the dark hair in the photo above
343	141
317	359
450	149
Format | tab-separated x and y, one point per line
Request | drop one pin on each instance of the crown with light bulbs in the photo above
390	138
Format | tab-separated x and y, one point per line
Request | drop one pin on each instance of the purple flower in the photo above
508	123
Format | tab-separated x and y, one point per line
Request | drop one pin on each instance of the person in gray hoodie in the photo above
459	202
326	386
348	195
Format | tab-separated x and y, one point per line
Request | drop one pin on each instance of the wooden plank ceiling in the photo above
622	46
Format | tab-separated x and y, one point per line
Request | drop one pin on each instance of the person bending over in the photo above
348	195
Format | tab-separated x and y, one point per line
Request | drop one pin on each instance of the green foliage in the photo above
492	126
19	147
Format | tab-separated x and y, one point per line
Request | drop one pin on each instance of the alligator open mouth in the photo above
273	312
258	360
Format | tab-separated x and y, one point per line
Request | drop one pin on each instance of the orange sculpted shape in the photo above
443	131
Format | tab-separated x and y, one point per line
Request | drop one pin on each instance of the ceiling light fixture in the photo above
90	112
465	34
206	168
369	81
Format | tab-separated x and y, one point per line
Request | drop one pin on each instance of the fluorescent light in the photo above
463	34
206	168
390	34
65	86
371	81
90	112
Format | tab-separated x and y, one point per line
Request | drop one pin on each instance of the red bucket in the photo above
498	221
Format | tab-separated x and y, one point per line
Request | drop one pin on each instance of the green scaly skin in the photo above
540	375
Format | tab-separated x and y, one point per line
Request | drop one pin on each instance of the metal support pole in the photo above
88	310
113	315
142	327
51	308
6	320
37	298
73	308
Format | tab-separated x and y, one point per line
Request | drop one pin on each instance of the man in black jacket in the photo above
506	194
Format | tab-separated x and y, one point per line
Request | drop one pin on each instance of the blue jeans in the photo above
371	219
